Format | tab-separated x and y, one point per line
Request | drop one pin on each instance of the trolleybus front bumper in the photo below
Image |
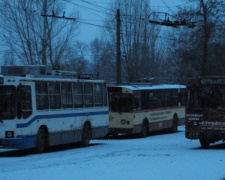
121	131
18	143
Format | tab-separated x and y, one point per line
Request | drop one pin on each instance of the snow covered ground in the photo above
157	157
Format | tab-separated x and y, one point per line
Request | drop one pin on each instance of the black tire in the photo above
86	135
144	129
41	141
204	142
174	128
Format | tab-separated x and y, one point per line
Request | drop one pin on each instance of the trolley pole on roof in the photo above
118	51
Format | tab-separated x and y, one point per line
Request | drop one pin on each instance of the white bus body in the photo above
51	118
144	108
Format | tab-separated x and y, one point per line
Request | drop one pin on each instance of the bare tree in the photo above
138	39
76	58
35	39
196	50
103	59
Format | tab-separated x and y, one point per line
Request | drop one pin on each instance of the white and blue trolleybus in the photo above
41	111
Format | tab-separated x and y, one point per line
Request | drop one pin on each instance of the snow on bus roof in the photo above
62	79
52	78
152	87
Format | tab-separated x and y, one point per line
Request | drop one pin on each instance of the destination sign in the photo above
212	81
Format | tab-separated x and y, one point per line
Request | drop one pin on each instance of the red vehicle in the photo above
205	113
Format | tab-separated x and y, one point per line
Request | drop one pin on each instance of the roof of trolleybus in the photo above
16	79
137	87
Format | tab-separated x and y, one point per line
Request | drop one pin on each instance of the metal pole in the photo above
118	51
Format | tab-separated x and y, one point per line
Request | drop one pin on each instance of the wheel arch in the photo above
174	125
86	134
144	128
88	122
45	128
175	118
145	120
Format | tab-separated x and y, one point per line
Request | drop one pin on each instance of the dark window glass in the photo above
42	101
121	102
105	95
88	95
78	95
174	97
137	100
24	102
98	94
183	97
206	98
7	102
167	100
54	95
67	100
153	100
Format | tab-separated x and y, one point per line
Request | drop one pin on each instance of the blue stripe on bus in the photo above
23	125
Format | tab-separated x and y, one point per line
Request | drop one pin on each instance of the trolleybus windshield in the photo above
7	102
121	102
211	97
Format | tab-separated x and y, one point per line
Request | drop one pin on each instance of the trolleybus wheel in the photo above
86	135
175	124
144	129
204	142
41	141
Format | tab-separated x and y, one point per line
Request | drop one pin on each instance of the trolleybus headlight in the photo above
9	134
123	121
195	123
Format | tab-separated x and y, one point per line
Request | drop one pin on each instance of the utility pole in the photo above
44	36
118	51
46	33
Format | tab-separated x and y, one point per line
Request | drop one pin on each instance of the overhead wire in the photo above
85	7
91	10
97	5
170	9
92	24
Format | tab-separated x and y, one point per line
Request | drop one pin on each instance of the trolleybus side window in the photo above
159	99
67	100
98	94
88	95
7	102
182	97
153	99
24	103
105	95
54	95
137	100
78	95
174	99
42	95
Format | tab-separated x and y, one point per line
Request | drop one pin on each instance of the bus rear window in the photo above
7	102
